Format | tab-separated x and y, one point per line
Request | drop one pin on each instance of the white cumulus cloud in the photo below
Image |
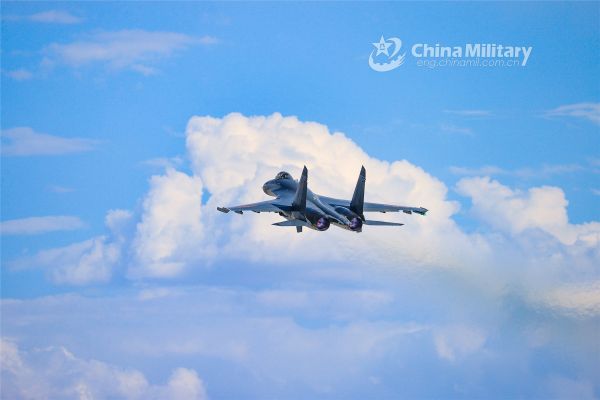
169	232
543	208
90	261
236	154
55	372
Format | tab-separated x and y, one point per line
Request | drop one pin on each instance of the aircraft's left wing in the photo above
263	206
375	207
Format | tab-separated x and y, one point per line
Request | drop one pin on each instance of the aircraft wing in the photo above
263	206
391	208
375	207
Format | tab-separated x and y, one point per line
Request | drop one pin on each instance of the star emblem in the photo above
382	47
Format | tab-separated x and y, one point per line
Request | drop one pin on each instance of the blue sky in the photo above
111	173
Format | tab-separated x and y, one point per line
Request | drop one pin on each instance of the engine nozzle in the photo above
355	224
322	224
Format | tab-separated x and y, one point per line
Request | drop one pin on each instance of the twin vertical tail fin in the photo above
299	203
358	198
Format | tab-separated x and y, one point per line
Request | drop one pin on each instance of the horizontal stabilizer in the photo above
382	223
292	222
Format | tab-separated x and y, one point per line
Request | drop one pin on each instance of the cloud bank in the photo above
284	313
55	372
175	234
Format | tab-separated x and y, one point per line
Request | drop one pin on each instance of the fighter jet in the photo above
303	208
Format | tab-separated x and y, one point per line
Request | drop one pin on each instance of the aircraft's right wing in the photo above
392	208
375	207
263	206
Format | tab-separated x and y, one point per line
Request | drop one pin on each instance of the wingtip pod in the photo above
421	210
223	209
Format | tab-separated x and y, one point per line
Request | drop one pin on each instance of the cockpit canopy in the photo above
283	175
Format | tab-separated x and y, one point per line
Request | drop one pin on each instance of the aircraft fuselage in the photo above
303	208
340	216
